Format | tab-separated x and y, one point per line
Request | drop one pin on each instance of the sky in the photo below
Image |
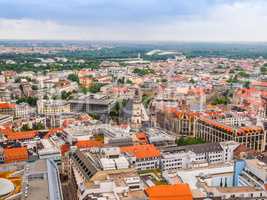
135	20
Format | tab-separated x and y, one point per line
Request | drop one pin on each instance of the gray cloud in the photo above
222	21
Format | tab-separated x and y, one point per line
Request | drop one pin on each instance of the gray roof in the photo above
196	148
85	165
203	148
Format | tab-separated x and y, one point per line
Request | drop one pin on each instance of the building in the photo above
210	130
86	81
21	136
7	109
6	120
134	112
195	156
251	172
2	158
43	181
52	107
5	94
144	157
100	105
16	154
48	150
171	192
84	165
23	110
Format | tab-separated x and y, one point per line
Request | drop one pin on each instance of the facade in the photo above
191	124
194	156
52	107
143	157
7	109
23	110
5	120
86	81
134	112
100	105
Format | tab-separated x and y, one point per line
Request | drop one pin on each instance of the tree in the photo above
189	141
25	127
129	82
243	74
220	101
38	126
247	84
146	100
66	95
74	78
143	72
95	87
32	101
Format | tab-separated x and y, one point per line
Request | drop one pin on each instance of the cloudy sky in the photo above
134	20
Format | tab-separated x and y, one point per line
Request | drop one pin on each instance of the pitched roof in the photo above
88	144
141	151
13	154
202	148
53	131
169	192
21	135
141	136
7	105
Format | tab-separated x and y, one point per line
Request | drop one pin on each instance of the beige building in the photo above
51	107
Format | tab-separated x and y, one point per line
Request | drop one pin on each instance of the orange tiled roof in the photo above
142	137
181	114
169	192
53	131
218	125
15	154
88	144
7	106
259	83
142	151
21	135
248	130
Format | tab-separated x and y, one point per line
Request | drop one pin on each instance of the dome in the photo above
6	187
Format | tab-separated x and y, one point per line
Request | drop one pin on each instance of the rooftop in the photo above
169	192
142	151
7	106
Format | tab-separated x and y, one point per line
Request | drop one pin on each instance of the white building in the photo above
194	156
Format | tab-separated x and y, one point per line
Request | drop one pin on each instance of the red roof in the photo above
142	137
7	106
53	131
169	192
24	135
259	83
88	144
218	125
15	154
142	151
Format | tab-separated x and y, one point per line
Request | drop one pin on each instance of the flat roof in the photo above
190	176
236	189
